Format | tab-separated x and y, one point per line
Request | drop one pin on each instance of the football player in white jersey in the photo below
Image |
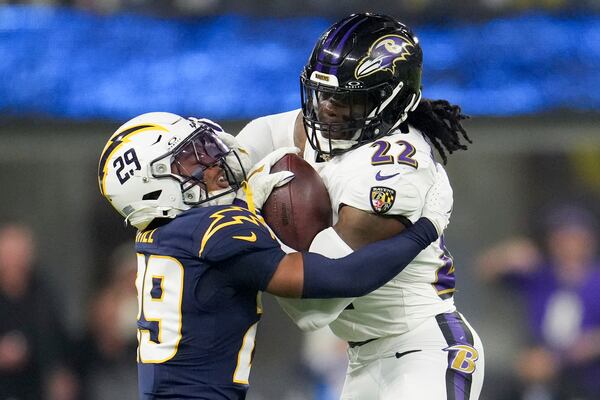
371	137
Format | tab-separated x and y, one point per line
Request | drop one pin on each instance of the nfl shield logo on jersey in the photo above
382	199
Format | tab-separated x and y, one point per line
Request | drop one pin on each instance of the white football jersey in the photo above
263	135
389	176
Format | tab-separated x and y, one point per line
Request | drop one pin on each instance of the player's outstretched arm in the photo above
310	275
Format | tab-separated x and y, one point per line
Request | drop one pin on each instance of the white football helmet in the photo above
154	166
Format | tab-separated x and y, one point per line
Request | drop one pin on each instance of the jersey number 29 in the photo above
159	284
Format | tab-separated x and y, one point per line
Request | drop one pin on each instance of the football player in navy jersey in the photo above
201	269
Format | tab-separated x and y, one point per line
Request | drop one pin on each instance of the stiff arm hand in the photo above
239	169
261	182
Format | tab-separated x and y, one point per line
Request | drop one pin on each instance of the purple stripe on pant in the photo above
456	332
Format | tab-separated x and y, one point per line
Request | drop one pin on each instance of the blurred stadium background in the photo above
527	71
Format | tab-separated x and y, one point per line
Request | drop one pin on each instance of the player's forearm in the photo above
357	227
349	277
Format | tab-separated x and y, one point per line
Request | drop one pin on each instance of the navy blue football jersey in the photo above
198	284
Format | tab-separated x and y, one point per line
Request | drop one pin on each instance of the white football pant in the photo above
441	359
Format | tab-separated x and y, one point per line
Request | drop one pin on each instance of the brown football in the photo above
300	209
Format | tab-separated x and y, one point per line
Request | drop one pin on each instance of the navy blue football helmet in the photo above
361	80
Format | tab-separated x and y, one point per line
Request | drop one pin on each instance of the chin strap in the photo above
249	198
138	224
221	197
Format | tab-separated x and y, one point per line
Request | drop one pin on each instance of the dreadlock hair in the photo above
440	121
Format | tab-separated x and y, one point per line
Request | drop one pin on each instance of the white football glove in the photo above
261	182
240	172
439	201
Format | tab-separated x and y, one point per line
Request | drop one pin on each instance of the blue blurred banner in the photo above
69	64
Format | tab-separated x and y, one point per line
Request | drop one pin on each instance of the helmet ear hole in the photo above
152	195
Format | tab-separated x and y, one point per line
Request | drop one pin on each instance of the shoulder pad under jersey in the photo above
232	230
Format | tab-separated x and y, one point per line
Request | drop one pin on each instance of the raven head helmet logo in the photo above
383	55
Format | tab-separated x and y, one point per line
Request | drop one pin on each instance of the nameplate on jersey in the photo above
382	199
145	236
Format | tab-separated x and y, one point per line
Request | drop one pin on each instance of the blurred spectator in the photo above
559	287
326	361
108	365
32	338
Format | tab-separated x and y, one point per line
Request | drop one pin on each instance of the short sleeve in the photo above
266	134
233	231
390	191
256	139
253	269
